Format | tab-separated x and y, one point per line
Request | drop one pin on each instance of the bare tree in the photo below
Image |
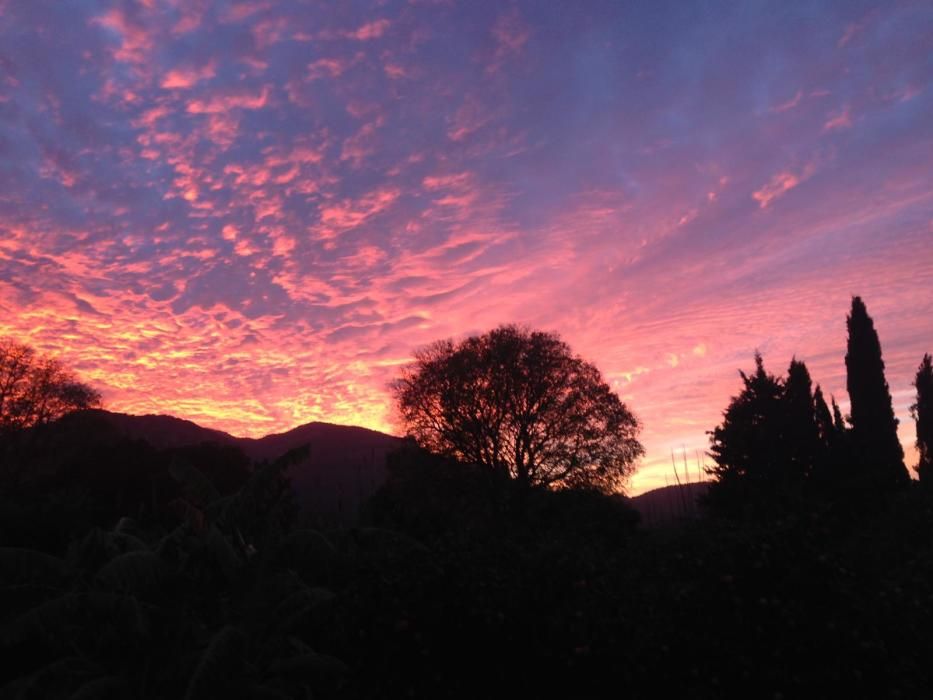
521	404
36	389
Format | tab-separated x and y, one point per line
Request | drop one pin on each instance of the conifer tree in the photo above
830	441
922	412
876	449
824	419
801	433
839	423
748	445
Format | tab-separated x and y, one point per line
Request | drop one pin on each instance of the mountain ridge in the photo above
345	464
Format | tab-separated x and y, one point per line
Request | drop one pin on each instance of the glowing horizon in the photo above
249	214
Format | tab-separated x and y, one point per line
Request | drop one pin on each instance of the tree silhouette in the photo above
519	403
831	458
876	448
839	423
824	419
36	389
801	432
922	412
748	446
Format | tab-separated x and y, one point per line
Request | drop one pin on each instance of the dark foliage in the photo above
876	455
922	412
460	583
780	448
196	600
831	458
749	448
801	430
434	498
504	591
520	403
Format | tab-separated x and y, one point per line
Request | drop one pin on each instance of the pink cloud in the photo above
436	182
359	146
510	34
222	101
328	67
777	187
790	104
840	120
350	214
244	10
469	118
149	117
188	76
394	71
135	41
370	30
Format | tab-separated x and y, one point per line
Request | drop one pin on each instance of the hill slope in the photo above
670	503
346	464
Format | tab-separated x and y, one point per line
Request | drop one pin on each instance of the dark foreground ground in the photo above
167	584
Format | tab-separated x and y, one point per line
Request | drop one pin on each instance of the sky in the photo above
250	214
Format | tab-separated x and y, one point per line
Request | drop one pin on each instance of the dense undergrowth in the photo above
170	582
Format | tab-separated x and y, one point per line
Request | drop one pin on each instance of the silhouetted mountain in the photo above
346	464
670	503
160	431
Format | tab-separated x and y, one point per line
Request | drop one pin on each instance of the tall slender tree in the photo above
876	448
801	433
839	423
922	411
831	439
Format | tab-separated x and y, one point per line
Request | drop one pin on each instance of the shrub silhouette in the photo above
204	610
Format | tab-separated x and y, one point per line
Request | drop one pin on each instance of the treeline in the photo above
780	441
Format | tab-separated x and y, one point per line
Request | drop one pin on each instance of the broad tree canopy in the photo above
520	403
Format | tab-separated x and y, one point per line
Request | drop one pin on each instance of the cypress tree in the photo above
824	419
839	423
922	411
830	441
878	452
801	434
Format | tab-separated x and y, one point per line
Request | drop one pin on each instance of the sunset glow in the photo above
249	214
